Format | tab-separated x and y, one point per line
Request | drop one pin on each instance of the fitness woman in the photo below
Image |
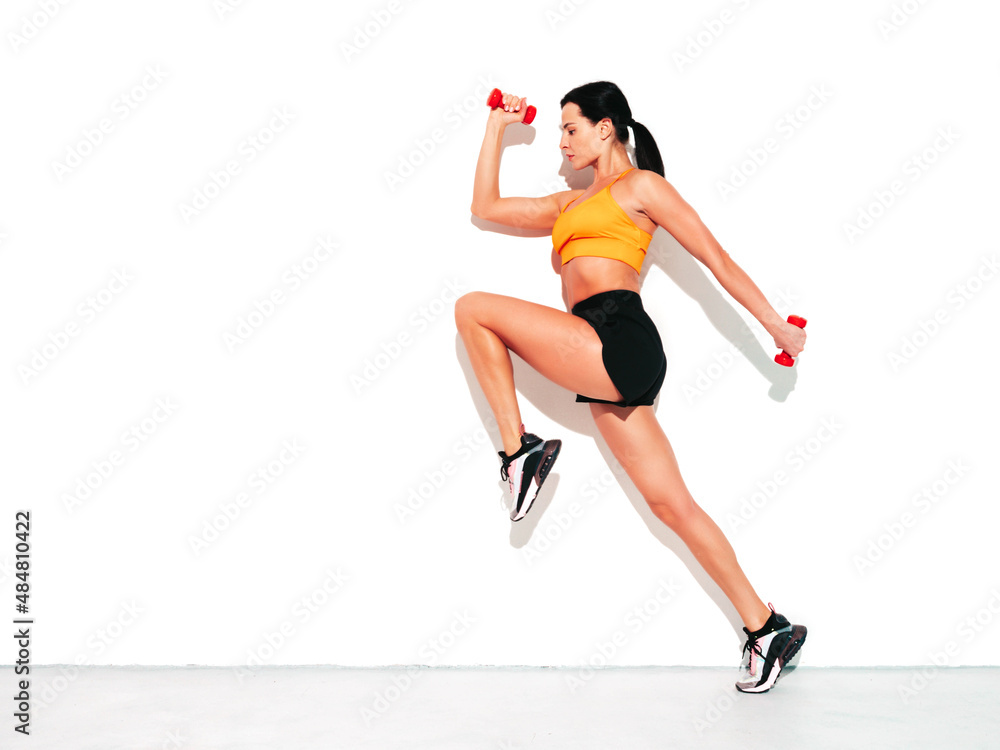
606	349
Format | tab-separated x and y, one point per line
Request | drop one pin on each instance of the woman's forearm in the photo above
742	289
486	186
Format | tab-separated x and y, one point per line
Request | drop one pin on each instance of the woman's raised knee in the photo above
465	308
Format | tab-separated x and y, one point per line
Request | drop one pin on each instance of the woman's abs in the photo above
586	276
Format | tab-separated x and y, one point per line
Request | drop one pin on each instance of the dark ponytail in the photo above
602	99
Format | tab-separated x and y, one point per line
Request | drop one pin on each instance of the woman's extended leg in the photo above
560	346
641	447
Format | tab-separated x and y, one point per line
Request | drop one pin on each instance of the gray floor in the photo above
326	707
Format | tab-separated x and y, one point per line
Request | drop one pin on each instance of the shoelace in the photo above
505	475
751	648
506	462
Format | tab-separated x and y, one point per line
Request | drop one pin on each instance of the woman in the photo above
607	349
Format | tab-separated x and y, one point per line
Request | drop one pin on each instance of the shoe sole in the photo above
549	454
796	638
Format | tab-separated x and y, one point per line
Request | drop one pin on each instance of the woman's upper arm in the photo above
526	213
666	208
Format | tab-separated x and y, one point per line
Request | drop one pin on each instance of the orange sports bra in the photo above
600	227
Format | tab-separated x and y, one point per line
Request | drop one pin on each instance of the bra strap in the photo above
622	175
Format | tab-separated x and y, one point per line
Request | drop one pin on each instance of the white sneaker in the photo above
767	651
533	461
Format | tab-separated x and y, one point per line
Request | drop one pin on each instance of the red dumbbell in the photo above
785	358
496	98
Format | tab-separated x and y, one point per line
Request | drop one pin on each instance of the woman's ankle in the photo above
512	440
764	617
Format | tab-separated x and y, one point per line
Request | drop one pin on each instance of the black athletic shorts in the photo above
633	353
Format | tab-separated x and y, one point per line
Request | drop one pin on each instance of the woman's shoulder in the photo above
645	182
644	176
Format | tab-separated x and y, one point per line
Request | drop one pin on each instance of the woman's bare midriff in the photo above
586	276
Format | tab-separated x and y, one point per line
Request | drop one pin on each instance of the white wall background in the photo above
135	574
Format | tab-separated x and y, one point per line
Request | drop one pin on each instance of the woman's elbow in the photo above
480	211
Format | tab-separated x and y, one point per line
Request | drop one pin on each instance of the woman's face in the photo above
580	141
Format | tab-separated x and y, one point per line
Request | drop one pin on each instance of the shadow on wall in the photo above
691	277
560	406
574	181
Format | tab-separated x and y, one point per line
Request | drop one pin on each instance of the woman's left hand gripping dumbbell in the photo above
510	108
791	339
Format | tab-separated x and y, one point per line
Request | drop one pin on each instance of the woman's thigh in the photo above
638	442
559	345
